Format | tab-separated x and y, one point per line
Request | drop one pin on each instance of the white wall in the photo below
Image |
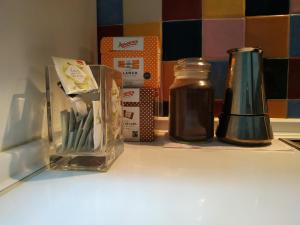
32	31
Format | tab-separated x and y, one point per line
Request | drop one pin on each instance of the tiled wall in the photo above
207	28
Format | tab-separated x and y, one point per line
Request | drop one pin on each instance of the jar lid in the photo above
192	68
245	49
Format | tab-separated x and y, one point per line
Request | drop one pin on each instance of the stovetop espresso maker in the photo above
244	119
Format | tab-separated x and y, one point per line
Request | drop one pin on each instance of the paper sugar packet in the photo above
76	77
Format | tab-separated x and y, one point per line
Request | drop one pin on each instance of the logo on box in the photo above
128	43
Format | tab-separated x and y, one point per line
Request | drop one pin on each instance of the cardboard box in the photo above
138	120
138	58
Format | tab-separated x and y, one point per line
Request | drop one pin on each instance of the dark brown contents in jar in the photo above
191	110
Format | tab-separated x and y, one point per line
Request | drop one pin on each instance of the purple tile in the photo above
294	78
294	108
219	35
181	10
218	106
294	6
110	31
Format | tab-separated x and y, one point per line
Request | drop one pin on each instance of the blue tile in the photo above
295	35
218	77
182	39
267	7
294	108
109	12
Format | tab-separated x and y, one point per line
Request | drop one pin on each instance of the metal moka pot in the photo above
244	119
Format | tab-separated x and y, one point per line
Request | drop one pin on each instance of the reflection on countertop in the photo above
150	184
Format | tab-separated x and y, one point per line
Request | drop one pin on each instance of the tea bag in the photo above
65	128
79	105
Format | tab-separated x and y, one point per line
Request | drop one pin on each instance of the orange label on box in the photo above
132	70
138	58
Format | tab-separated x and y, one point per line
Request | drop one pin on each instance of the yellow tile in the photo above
223	8
143	29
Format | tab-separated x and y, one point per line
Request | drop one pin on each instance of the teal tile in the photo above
109	12
218	77
294	108
295	35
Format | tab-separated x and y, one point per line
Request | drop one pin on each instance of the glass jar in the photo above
85	129
191	101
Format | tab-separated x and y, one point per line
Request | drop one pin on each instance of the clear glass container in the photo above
191	101
85	130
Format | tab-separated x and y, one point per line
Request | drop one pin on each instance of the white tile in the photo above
142	11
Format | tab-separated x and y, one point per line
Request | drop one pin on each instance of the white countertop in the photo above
151	185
